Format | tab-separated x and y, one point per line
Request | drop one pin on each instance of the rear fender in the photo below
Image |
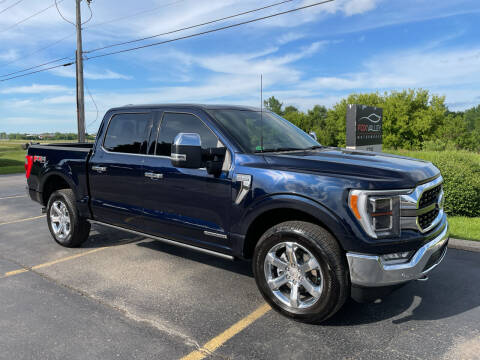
73	183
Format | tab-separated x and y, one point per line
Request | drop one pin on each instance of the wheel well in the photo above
53	184
268	219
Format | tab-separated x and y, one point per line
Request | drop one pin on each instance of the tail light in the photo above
28	165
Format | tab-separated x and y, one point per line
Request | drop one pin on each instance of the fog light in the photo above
397	258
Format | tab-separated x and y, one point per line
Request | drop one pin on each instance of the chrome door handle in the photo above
99	168
153	176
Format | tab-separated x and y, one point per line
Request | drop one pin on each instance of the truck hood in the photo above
390	170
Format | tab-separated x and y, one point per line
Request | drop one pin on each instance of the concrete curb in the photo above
464	245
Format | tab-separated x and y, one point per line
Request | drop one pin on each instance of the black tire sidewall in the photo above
324	306
77	235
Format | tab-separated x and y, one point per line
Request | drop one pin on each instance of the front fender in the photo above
297	202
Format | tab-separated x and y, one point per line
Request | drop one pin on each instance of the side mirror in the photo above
313	134
187	151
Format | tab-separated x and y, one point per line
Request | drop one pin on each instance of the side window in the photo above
174	123
127	133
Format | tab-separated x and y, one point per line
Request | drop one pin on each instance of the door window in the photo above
174	123
127	133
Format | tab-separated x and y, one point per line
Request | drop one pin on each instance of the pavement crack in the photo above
164	328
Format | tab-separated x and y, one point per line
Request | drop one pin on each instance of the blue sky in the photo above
315	56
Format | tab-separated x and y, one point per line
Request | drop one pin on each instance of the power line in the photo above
38	50
29	17
134	14
190	27
175	39
37	71
36	66
61	15
96	107
9	7
70	22
149	37
210	31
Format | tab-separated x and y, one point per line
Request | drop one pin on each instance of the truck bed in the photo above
64	146
59	162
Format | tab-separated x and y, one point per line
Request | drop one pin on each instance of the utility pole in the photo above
79	68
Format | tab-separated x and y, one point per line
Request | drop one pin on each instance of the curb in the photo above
464	245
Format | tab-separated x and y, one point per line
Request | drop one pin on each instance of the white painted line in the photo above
12	197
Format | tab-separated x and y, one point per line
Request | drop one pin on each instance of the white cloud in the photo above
35	89
289	37
354	7
63	99
107	74
408	69
9	55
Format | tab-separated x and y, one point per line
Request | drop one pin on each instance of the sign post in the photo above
364	127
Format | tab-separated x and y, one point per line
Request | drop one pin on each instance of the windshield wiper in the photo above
279	149
315	147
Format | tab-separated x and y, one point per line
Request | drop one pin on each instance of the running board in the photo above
167	241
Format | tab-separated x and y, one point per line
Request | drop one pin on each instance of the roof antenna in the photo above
261	112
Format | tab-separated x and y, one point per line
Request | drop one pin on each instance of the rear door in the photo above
116	170
185	204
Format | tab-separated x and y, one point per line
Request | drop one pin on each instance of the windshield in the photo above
247	126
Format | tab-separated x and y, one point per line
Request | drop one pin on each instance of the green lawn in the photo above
12	157
464	228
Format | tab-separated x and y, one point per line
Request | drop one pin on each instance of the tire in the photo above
62	210
328	279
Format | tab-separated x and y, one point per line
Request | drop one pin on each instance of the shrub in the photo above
461	174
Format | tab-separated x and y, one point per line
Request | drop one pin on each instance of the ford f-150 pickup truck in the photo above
319	224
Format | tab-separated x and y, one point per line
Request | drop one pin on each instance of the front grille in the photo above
426	219
430	196
436	256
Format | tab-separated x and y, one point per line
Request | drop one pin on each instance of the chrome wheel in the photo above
60	219
293	275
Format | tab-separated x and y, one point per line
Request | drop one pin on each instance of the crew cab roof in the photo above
190	106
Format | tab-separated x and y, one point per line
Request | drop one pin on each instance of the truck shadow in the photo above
451	290
236	266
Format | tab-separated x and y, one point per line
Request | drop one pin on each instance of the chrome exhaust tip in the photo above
423	278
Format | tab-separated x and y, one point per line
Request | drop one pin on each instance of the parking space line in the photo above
50	263
20	220
221	339
12	197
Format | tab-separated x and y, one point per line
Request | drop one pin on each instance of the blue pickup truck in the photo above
319	224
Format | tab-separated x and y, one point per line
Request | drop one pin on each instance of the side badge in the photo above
246	184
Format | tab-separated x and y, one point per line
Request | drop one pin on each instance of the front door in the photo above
116	170
188	205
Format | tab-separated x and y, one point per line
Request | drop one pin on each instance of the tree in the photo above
290	109
472	118
273	105
412	119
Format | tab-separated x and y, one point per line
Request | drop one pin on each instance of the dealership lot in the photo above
123	296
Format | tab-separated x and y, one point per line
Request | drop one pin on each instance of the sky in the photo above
314	56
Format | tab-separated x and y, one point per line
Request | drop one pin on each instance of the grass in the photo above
12	157
464	228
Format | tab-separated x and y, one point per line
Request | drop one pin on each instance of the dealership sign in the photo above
364	127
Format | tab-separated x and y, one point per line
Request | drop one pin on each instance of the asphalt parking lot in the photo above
122	296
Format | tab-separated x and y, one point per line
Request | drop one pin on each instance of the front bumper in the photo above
372	271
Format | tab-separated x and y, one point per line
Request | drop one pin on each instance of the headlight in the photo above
377	212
